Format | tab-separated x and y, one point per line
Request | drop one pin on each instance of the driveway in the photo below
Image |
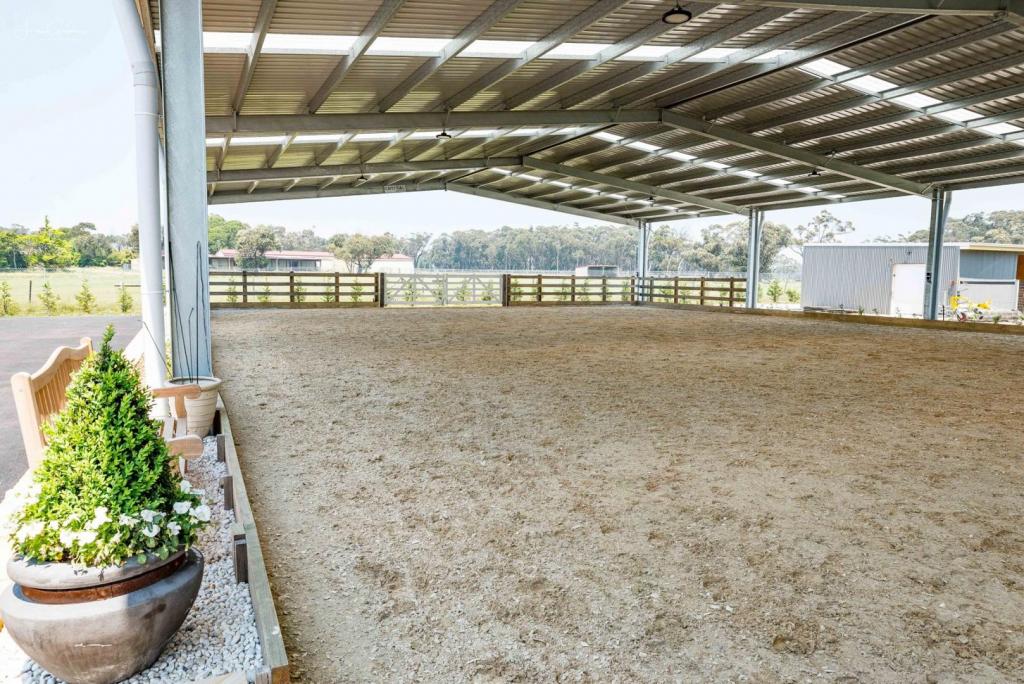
25	344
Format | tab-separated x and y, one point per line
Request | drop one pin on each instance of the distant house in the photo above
889	278
285	260
393	263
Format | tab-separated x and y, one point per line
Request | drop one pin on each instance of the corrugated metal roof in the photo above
925	56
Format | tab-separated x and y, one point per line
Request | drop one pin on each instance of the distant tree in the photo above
360	251
774	291
414	245
253	244
85	298
133	240
223	233
300	240
7	305
11	250
823	228
92	249
49	298
124	300
48	247
1005	226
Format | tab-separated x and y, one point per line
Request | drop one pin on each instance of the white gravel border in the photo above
218	636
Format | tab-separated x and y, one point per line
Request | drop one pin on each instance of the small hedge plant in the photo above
104	492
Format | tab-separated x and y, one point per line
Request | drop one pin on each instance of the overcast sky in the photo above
68	142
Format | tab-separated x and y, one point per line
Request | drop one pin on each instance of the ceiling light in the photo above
677	15
814	172
443	135
362	178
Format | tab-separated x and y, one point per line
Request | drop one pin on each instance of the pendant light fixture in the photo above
443	135
677	15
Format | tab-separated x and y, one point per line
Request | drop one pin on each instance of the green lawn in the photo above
104	283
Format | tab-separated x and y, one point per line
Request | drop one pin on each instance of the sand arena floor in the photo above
631	494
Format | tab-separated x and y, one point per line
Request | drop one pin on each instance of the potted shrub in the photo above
103	569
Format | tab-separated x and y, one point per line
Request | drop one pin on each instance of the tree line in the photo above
718	248
52	247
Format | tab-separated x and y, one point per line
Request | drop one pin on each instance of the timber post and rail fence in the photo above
305	289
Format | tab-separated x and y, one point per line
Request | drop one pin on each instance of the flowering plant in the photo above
964	309
104	493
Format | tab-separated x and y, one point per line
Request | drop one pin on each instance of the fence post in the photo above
503	289
702	285
291	286
540	287
732	292
245	286
604	288
573	290
675	291
632	289
337	289
380	290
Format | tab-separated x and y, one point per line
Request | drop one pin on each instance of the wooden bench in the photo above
40	396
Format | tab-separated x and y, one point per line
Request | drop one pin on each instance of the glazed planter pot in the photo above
99	625
200	411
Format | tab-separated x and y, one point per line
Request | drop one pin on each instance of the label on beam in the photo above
393	188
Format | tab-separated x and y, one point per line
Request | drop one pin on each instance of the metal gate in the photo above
442	289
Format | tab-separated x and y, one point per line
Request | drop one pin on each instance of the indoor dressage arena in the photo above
626	494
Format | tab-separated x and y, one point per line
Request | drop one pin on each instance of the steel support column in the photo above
184	125
642	261
147	169
941	199
755	220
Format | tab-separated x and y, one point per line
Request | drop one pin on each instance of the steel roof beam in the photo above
963	8
490	16
331	149
276	154
370	32
538	204
351	169
752	142
252	52
651	91
560	35
579	68
818	83
613	181
613	82
356	122
795	58
312	193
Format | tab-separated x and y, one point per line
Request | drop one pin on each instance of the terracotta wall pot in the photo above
104	640
200	411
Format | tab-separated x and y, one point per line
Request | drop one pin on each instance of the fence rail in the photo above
302	289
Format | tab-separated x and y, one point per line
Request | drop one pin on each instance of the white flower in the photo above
182	507
100	518
185	486
86	537
116	538
151	531
174	527
30	530
67	537
54	524
127	520
148	515
202	513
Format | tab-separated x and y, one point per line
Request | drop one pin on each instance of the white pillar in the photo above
755	220
941	200
185	131
147	170
642	261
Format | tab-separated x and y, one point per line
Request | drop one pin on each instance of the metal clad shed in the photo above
989	265
854	276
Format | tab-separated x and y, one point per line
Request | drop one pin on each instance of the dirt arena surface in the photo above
632	494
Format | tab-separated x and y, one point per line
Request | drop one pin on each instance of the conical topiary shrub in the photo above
104	492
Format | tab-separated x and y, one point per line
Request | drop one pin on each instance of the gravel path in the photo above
632	494
219	634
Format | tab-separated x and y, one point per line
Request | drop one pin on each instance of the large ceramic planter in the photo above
200	411
98	626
